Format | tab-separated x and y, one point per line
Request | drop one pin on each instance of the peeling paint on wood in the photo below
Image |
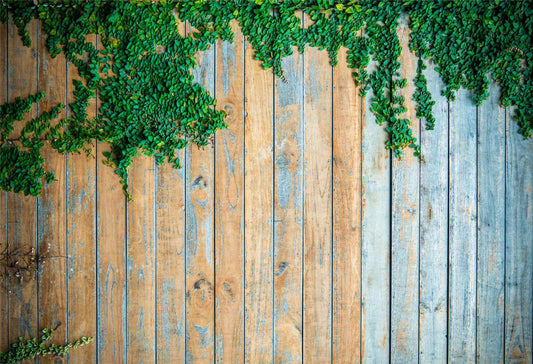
276	245
229	203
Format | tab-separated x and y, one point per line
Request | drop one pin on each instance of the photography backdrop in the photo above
295	237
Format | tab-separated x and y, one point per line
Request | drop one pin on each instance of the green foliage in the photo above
29	349
149	103
21	161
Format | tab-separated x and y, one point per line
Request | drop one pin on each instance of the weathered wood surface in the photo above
297	237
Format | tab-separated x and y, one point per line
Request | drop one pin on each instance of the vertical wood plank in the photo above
21	220
462	229
288	211
170	237
491	229
518	246
434	229
51	216
229	202
170	264
111	262
317	211
200	279
81	239
111	237
258	200
405	225
347	124
375	241
141	262
4	294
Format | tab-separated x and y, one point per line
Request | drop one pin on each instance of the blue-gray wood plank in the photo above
446	245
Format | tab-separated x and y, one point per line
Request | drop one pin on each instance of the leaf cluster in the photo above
29	349
150	104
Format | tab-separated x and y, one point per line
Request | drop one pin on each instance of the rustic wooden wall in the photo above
295	238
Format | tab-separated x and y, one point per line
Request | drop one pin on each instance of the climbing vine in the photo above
29	349
150	104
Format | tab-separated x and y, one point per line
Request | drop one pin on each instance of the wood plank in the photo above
347	126
81	239
375	240
4	293
229	202
288	211
51	212
405	224
141	262
170	237
111	261
258	199
491	229
518	246
170	273
433	306
200	275
317	273
21	220
462	229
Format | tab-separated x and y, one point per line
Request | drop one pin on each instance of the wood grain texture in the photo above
288	211
200	275
317	273
462	229
229	203
433	284
258	201
22	214
170	265
81	238
4	244
141	258
375	240
111	264
276	245
347	126
51	211
491	229
170	238
405	224
518	246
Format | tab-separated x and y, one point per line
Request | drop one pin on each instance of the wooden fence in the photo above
297	237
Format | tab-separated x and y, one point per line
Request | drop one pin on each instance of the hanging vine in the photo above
150	104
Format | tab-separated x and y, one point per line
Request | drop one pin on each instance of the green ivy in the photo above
150	104
29	349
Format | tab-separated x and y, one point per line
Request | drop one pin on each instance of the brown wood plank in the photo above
405	224
317	210
170	217
51	213
258	200
288	211
21	220
4	295
141	262
347	125
200	274
170	273
229	203
81	239
111	262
